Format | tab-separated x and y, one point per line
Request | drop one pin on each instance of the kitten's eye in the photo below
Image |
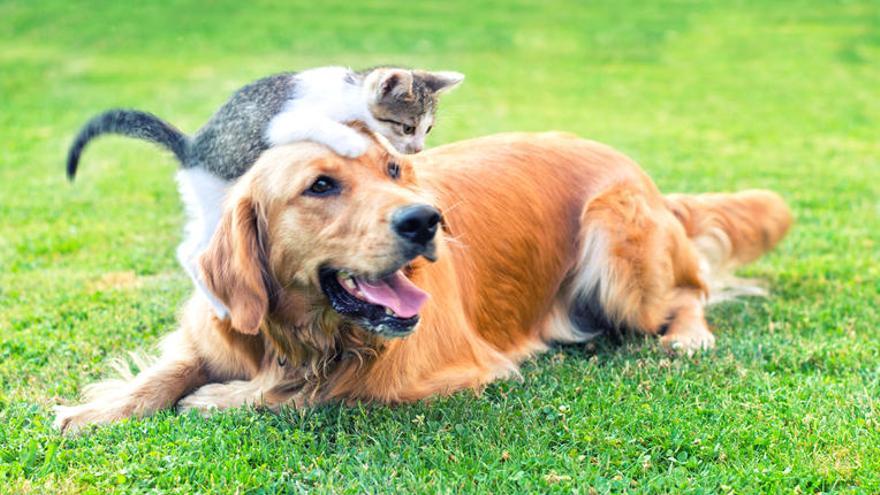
429	129
408	129
323	186
393	170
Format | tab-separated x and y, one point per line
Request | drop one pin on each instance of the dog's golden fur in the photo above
546	237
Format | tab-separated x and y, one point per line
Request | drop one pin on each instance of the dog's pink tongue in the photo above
395	292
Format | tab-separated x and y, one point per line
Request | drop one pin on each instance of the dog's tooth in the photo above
389	312
349	283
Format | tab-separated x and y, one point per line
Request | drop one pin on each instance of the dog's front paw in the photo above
70	419
350	145
216	396
199	401
63	417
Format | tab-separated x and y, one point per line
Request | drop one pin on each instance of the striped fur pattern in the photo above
312	105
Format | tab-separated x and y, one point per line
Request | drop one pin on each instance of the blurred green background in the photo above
706	95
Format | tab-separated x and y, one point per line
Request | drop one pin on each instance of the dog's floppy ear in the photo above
235	266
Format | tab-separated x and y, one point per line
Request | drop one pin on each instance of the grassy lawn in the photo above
706	95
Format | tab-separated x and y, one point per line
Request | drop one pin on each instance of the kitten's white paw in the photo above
351	146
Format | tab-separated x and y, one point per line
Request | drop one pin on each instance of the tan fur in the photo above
730	230
235	266
542	234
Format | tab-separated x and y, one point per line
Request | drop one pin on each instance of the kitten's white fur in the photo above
203	194
323	99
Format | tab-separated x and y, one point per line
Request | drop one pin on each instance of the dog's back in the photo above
547	237
551	224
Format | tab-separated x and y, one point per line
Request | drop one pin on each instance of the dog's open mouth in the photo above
388	306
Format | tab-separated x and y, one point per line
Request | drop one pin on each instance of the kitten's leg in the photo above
299	125
203	196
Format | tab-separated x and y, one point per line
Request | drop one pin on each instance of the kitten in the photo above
311	105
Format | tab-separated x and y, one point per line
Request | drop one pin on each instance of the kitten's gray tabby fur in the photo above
310	105
230	142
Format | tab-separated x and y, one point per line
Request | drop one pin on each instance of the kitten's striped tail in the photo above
132	123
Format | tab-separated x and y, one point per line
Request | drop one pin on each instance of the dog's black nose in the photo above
416	223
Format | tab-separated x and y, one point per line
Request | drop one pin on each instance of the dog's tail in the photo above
132	123
730	230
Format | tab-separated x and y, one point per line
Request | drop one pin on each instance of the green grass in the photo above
707	95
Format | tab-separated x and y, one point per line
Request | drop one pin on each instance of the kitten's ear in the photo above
395	82
441	81
235	266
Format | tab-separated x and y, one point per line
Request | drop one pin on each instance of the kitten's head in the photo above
403	103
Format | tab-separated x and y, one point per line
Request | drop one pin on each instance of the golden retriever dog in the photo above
392	278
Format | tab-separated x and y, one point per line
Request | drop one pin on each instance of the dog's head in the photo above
306	223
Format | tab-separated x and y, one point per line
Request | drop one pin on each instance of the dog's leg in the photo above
639	270
157	386
265	390
687	330
219	396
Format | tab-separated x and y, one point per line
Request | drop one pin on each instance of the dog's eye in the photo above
408	129
323	186
393	170
429	129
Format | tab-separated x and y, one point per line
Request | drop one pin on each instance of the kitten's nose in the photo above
414	148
